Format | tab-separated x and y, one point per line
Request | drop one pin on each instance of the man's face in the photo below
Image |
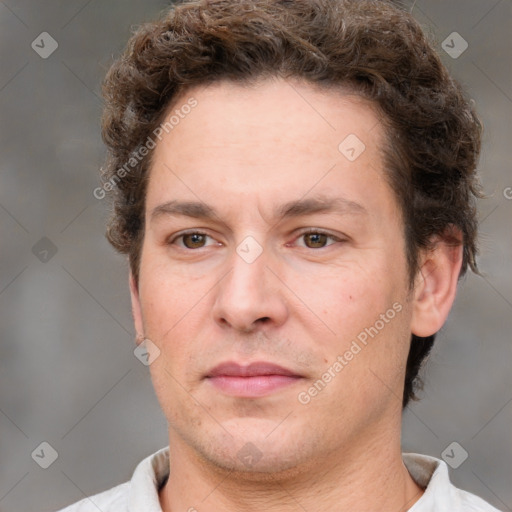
228	294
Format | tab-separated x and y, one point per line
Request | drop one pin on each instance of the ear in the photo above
436	283
136	309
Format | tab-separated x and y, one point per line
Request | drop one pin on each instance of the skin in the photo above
245	151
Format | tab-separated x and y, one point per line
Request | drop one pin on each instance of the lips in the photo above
254	380
231	369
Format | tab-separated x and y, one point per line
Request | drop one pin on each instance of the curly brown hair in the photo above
370	47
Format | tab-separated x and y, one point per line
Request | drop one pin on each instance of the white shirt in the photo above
140	494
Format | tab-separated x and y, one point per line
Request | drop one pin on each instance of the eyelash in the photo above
301	234
320	232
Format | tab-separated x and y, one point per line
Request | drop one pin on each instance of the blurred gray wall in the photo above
68	376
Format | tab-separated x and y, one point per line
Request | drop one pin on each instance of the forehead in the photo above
273	108
275	142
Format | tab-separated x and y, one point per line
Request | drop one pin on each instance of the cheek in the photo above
349	298
168	299
366	307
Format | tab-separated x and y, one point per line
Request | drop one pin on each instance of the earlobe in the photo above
436	285
136	309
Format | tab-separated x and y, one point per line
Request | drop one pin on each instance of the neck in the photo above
365	475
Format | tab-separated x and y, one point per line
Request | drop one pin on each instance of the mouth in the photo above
251	381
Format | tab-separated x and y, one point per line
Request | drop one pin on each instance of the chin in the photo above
257	450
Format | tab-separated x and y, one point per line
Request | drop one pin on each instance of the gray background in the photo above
68	375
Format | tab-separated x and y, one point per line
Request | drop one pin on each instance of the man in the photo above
294	185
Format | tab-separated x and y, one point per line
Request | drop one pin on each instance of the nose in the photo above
250	295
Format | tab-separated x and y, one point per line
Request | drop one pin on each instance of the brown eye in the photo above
194	240
191	240
315	240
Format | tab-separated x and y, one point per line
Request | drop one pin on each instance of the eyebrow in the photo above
297	208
